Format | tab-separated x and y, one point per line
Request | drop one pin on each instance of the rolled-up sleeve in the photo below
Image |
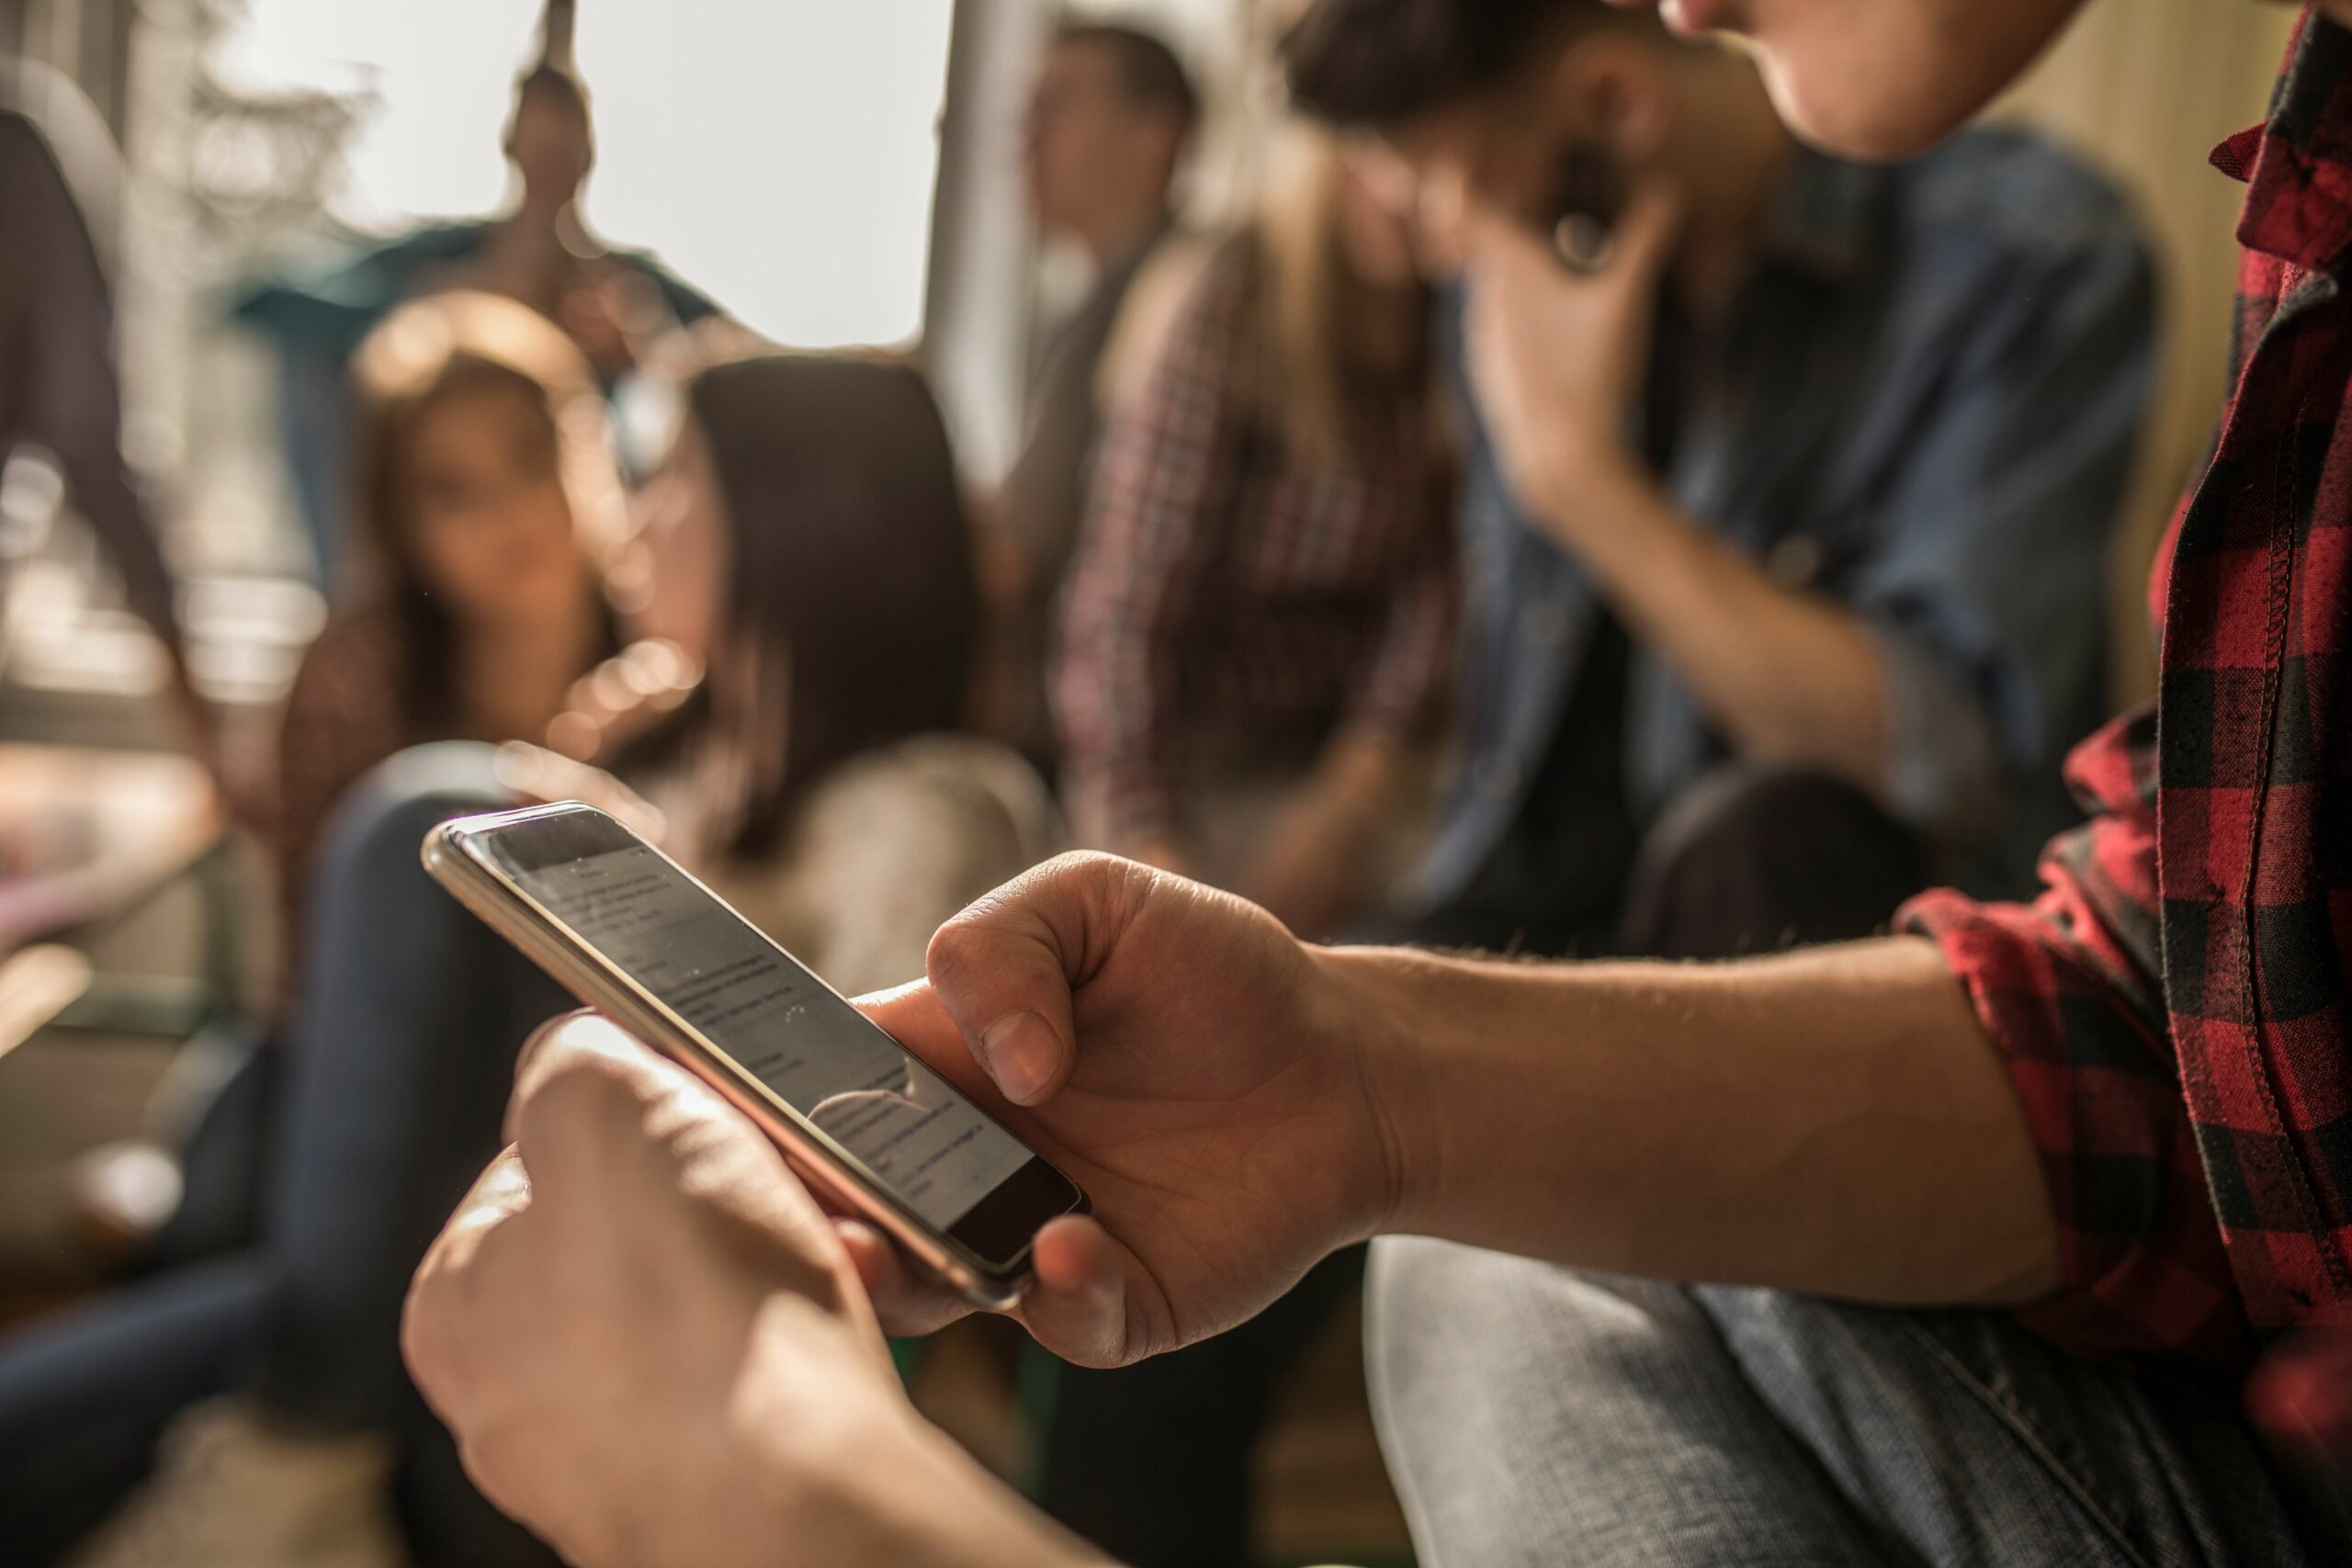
1985	594
2067	991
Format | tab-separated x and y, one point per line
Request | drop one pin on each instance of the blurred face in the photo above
550	149
489	518
1085	147
674	578
1879	78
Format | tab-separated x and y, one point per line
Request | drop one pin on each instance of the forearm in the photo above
1309	871
1356	777
1790	677
883	1486
1831	1122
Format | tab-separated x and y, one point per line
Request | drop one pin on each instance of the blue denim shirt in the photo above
1923	406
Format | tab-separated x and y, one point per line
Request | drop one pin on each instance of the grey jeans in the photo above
1534	1415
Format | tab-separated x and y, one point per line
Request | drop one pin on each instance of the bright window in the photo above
778	157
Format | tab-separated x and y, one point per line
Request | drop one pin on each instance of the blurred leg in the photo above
1533	1415
84	1398
1977	1443
410	1023
1536	1415
1750	859
1151	1462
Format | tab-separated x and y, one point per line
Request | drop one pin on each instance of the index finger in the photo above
907	1301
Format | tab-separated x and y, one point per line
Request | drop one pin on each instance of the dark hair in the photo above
851	580
1149	73
1380	61
427	351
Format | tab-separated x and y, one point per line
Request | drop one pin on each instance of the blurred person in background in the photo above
1259	624
1259	632
1804	632
808	541
488	512
1951	1248
1803	613
1109	119
58	393
540	252
806	547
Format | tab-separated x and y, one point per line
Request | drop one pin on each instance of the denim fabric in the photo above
402	1058
1534	1415
1922	406
1153	1463
86	1396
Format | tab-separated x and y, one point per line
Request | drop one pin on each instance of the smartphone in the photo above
874	1131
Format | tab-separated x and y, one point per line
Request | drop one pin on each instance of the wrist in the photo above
874	1481
1371	1001
1585	484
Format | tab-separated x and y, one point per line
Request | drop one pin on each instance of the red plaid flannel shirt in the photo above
2173	1011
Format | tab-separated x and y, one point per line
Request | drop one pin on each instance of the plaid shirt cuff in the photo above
2143	1270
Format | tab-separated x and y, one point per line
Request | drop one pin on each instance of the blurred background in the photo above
828	176
871	195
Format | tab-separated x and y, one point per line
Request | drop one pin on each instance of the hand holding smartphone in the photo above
874	1131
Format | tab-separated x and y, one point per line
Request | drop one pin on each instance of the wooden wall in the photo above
2145	88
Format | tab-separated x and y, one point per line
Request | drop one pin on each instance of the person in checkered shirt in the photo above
1258	623
1954	1247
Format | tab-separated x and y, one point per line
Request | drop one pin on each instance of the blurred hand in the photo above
1316	862
2302	1394
623	698
535	775
653	1350
1557	358
1310	874
1188	1062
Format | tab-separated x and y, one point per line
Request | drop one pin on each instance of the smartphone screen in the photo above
906	1128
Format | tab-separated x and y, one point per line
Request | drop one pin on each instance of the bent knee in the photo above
1753	858
1743	810
1448	1322
382	819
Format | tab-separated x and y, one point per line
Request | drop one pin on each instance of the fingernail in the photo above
1020	1052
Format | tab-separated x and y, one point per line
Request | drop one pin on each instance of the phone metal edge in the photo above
507	912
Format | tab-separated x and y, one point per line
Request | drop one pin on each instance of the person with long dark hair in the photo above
806	544
486	505
1951	1246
